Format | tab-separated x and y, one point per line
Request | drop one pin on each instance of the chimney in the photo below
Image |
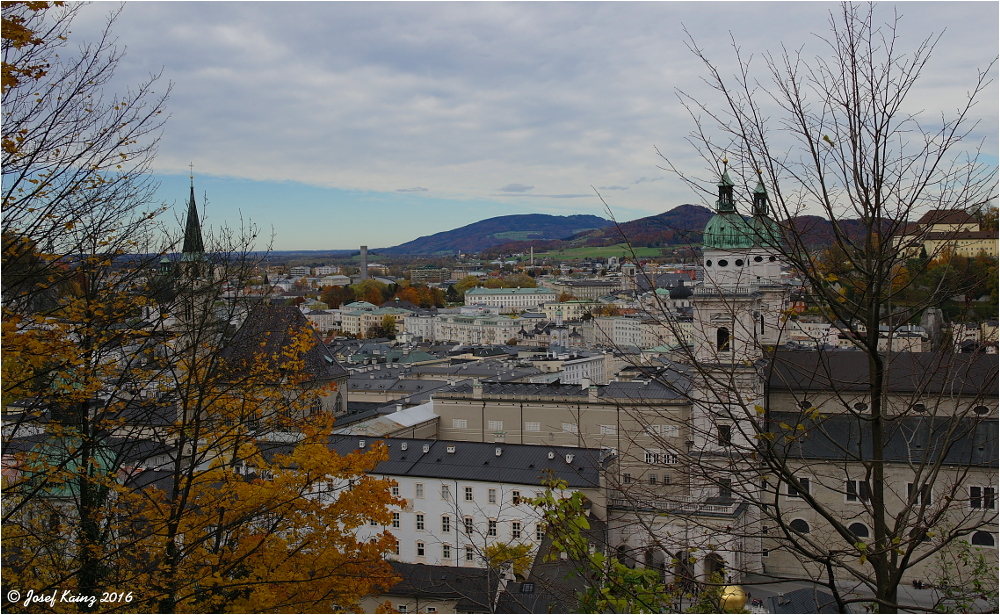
585	383
592	393
477	389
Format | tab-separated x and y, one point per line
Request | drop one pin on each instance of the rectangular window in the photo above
532	426
468	526
459	424
725	488
627	478
446	524
419	490
515	529
539	531
669	431
794	493
983	498
420	549
570	428
669	458
395	547
395	491
445	492
652	479
372	522
468	494
653	456
858	491
924	497
492	531
515	497
395	520
725	435
496	425
491	496
420	522
446	552
608	430
401	608
470	553
652	430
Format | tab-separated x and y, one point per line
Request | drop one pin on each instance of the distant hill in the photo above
485	234
681	225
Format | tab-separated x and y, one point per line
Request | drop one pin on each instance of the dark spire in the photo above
725	202
194	248
760	205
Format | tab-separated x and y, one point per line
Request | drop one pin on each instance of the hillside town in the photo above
745	411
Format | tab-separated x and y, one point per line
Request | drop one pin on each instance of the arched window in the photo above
983	539
799	525
859	529
722	339
715	567
338	406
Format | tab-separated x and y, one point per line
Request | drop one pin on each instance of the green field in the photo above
518	235
600	252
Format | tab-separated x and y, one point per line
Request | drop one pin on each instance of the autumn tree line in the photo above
166	444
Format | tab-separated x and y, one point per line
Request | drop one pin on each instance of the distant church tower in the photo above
737	312
194	272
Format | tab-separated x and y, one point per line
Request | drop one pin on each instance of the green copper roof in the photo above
55	464
728	231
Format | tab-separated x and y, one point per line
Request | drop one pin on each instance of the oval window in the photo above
758	259
859	529
739	262
772	259
708	263
723	263
800	526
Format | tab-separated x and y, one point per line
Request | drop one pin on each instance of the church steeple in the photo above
760	205
725	202
194	247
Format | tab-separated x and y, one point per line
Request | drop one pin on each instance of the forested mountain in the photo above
484	234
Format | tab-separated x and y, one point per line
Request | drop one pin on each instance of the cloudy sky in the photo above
342	124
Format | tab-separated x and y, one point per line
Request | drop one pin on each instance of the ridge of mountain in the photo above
485	234
679	226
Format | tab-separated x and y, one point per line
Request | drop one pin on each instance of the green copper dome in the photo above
765	232
728	231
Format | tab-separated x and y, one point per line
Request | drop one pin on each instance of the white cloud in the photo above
464	96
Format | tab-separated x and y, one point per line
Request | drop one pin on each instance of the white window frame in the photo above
986	497
420	522
459	423
857	491
491	496
495	426
470	494
609	430
532	426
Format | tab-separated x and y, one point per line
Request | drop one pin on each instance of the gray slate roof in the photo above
519	464
965	442
909	372
614	392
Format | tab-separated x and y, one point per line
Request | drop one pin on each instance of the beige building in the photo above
585	289
948	229
510	300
